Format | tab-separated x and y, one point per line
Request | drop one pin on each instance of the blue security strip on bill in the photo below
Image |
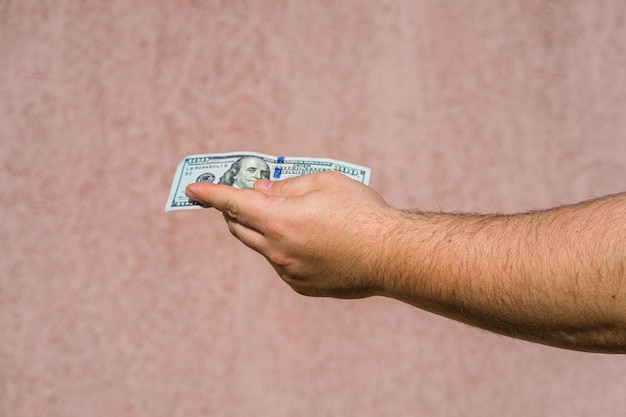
242	169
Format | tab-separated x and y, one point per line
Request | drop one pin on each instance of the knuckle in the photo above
278	258
328	177
274	229
232	210
232	226
285	187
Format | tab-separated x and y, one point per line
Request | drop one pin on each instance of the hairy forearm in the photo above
554	277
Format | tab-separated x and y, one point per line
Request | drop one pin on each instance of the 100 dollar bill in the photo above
242	169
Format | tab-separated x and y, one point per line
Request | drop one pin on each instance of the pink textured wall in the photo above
110	307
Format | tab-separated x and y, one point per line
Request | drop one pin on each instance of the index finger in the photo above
241	205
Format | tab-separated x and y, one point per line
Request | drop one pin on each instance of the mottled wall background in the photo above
111	307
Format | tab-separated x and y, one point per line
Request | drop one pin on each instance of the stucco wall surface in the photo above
111	307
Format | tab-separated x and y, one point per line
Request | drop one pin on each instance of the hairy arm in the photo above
553	277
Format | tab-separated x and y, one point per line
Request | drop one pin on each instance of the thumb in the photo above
291	187
264	186
299	186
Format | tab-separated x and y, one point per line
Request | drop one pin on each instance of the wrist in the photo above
398	267
431	253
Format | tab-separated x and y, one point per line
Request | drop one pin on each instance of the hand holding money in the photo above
320	232
327	235
296	223
242	169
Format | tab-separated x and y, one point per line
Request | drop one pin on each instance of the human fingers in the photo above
245	206
250	237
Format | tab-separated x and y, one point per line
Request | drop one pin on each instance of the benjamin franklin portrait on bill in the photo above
244	172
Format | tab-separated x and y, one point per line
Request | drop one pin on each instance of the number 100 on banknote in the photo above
242	169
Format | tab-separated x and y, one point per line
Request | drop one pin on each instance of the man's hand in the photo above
323	233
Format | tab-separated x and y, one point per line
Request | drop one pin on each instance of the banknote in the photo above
242	169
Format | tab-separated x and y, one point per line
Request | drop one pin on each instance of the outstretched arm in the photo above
554	277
